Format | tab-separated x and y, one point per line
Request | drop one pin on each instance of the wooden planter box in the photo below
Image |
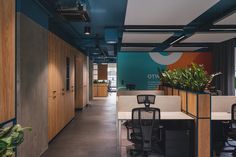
199	105
169	91
175	91
183	96
161	87
164	88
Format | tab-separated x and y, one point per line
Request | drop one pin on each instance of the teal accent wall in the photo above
137	68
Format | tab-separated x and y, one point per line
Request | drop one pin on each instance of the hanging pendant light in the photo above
87	30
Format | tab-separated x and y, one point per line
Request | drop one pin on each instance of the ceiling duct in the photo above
77	13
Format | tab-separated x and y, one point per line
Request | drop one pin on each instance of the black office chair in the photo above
146	99
146	132
141	99
231	133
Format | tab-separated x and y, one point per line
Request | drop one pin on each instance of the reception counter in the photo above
100	90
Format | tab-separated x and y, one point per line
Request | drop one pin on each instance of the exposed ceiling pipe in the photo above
104	54
97	46
56	16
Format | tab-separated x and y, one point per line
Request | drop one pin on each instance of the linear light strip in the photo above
177	39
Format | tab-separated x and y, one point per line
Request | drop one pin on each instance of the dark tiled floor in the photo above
92	133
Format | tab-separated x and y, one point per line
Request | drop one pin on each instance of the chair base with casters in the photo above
137	151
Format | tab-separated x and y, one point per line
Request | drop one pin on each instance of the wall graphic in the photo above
141	68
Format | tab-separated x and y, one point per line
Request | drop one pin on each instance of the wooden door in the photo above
72	83
61	99
79	82
52	117
52	66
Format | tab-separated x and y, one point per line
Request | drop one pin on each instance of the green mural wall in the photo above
137	68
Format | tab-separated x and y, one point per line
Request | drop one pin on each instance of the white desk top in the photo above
221	116
164	116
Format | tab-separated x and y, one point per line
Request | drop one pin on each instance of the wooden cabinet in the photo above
61	98
100	90
52	117
95	90
7	60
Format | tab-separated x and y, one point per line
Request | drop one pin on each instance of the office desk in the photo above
220	116
165	116
220	123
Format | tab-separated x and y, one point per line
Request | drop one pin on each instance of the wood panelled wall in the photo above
61	101
7	60
82	73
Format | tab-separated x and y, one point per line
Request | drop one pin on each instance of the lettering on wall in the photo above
153	81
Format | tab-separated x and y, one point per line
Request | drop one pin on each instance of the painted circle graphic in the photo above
165	60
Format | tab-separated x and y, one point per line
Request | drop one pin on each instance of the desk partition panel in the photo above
165	103
222	103
137	92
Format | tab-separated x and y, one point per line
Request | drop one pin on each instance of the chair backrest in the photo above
146	99
233	116
145	122
233	112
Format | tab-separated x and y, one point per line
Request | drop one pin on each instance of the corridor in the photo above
92	133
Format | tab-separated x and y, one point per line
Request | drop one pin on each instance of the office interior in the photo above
117	78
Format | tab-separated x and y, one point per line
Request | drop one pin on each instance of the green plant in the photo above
10	138
193	78
198	78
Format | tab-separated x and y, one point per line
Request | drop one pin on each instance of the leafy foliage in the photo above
10	138
193	78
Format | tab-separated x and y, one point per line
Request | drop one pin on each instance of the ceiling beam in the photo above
140	44
153	27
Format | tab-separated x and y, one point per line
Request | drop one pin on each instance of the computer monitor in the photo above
130	86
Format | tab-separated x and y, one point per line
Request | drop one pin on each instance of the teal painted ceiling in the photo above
111	14
103	14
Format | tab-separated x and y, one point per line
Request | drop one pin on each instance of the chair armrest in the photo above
128	126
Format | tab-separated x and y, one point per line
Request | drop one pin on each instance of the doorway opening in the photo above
112	78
